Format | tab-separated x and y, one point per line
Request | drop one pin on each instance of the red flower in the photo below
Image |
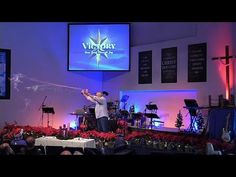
10	126
84	135
119	131
16	131
3	131
83	127
122	124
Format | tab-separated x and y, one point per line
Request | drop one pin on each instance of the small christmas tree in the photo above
179	120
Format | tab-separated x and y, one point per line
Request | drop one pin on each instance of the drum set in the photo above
147	119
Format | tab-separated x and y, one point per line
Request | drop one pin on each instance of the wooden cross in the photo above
226	57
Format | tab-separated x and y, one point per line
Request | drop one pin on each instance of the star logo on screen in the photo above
98	50
98	47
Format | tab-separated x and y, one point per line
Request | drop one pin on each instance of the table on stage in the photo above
76	142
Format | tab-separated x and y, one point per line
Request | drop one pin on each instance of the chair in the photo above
19	149
54	150
73	149
91	151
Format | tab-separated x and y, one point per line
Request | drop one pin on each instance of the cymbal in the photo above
81	114
74	113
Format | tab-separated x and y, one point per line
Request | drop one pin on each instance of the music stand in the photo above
192	107
48	110
152	116
151	107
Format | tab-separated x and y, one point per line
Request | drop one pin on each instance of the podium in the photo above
48	110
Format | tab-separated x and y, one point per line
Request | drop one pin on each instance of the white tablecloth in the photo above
76	142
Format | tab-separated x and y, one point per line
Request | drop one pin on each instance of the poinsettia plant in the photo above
168	141
161	140
122	124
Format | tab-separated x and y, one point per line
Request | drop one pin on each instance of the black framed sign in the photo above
5	70
197	65
169	65
145	67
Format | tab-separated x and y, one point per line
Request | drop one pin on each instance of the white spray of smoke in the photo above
19	79
16	80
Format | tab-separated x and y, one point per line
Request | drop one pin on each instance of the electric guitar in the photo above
226	133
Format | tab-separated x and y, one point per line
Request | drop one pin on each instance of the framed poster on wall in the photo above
169	65
197	65
5	71
145	67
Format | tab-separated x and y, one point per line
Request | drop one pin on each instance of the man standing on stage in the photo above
101	112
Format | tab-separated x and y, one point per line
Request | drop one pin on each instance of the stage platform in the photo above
158	129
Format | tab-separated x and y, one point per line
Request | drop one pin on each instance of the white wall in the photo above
152	32
216	35
39	51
